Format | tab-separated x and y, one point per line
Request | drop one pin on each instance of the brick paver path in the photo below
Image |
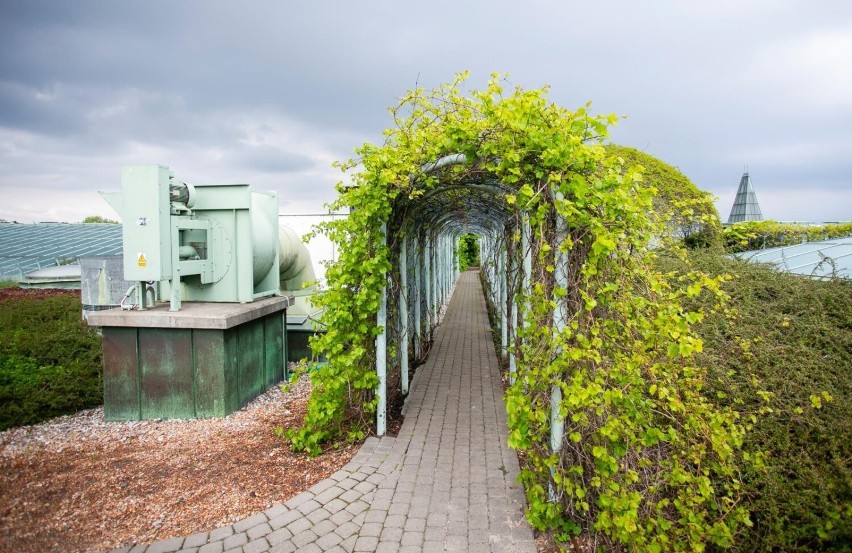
447	482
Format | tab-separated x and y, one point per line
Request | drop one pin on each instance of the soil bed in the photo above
78	483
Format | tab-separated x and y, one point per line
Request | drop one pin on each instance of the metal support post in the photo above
560	262
418	251
381	355
504	329
403	314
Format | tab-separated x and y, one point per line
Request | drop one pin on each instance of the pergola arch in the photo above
426	229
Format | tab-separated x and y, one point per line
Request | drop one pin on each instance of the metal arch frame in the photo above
428	271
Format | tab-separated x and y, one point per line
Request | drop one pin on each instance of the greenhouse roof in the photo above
28	247
814	259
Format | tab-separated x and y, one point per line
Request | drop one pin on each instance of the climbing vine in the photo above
645	461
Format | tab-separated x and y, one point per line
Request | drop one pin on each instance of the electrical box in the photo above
213	243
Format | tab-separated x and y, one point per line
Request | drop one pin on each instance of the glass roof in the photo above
815	259
28	247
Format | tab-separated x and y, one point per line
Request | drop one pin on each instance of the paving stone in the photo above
341	517
235	541
321	486
324	527
357	507
335	505
278	536
415	525
347	484
374	515
214	547
247	523
329	540
433	547
188	550
257	532
366	543
299	525
391	534
412	538
308	507
165	546
284	519
220	533
140	548
284	547
370	529
318	515
304	538
256	546
296	501
395	521
435	533
387	547
196	540
398	509
346	530
348	544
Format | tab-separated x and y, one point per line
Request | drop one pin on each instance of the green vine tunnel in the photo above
604	397
466	200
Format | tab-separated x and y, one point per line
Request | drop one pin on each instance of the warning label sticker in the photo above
141	261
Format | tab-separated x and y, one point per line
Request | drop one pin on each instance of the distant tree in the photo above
468	251
99	219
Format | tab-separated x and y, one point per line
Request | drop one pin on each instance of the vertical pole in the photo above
403	314
504	330
526	249
433	282
513	301
427	284
381	354
418	252
560	262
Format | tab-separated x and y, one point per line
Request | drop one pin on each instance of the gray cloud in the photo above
271	92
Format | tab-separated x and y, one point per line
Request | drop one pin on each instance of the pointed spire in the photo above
745	206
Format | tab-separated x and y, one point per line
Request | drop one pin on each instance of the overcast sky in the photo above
270	93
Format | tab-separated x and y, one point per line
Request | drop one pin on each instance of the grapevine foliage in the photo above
646	461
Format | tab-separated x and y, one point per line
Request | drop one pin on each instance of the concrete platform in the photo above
201	315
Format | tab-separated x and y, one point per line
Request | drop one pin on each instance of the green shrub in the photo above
782	358
754	235
50	361
688	212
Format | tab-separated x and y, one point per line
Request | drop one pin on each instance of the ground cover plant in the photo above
781	355
50	360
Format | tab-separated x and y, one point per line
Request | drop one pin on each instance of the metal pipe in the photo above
403	314
381	354
418	298
560	262
504	337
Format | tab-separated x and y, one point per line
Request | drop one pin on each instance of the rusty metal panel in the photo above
232	370
210	385
274	348
166	373
121	384
251	356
